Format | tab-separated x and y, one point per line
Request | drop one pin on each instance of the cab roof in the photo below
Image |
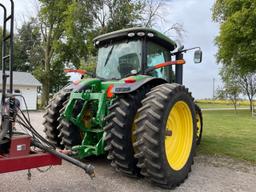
132	33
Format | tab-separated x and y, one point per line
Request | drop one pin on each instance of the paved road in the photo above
211	174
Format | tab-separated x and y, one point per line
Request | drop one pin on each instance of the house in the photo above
27	85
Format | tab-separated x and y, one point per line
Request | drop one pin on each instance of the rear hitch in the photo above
88	168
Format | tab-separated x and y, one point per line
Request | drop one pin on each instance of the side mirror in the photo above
198	56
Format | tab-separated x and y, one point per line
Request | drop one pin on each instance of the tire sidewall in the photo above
199	112
172	174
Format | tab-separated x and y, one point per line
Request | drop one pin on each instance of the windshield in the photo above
117	60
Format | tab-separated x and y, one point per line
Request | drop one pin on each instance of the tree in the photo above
235	81
111	15
230	91
63	26
248	86
20	57
232	87
236	41
27	47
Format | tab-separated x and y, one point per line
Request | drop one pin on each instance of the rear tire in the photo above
199	124
119	139
158	135
52	117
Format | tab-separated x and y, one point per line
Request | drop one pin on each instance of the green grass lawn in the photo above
218	105
227	133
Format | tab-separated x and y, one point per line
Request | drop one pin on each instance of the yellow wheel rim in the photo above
179	135
198	125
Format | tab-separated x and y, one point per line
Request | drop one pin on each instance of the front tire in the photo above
166	135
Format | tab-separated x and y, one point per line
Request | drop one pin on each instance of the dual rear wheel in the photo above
153	134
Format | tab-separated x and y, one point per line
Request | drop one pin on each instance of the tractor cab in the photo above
132	51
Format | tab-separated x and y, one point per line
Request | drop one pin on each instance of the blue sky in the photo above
195	16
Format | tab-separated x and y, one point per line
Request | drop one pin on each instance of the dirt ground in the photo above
211	174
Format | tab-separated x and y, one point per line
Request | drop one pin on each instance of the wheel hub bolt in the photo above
168	132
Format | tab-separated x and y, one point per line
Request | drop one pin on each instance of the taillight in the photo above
110	91
130	80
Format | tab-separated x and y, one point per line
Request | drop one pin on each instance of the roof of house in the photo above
22	78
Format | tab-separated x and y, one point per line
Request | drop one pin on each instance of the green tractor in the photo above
134	109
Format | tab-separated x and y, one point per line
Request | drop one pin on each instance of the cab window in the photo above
156	55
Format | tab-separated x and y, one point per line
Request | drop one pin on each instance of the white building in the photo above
27	85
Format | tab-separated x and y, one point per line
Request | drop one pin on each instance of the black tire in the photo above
70	134
199	124
119	131
52	117
151	133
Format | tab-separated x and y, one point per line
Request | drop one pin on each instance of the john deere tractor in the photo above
134	108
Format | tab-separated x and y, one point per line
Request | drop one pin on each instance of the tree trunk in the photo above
45	89
45	92
46	78
251	103
234	101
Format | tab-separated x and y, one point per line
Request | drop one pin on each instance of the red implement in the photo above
21	157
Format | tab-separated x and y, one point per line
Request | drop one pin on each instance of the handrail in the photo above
7	116
4	39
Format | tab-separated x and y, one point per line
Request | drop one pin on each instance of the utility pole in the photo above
213	88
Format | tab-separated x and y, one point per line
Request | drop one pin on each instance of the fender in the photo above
131	87
82	84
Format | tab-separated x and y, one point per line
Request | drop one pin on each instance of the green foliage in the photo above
90	64
236	41
24	41
248	86
28	51
231	89
76	31
64	26
236	83
111	15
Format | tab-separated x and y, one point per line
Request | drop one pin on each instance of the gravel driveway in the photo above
209	174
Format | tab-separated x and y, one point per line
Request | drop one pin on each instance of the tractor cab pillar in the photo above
179	70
